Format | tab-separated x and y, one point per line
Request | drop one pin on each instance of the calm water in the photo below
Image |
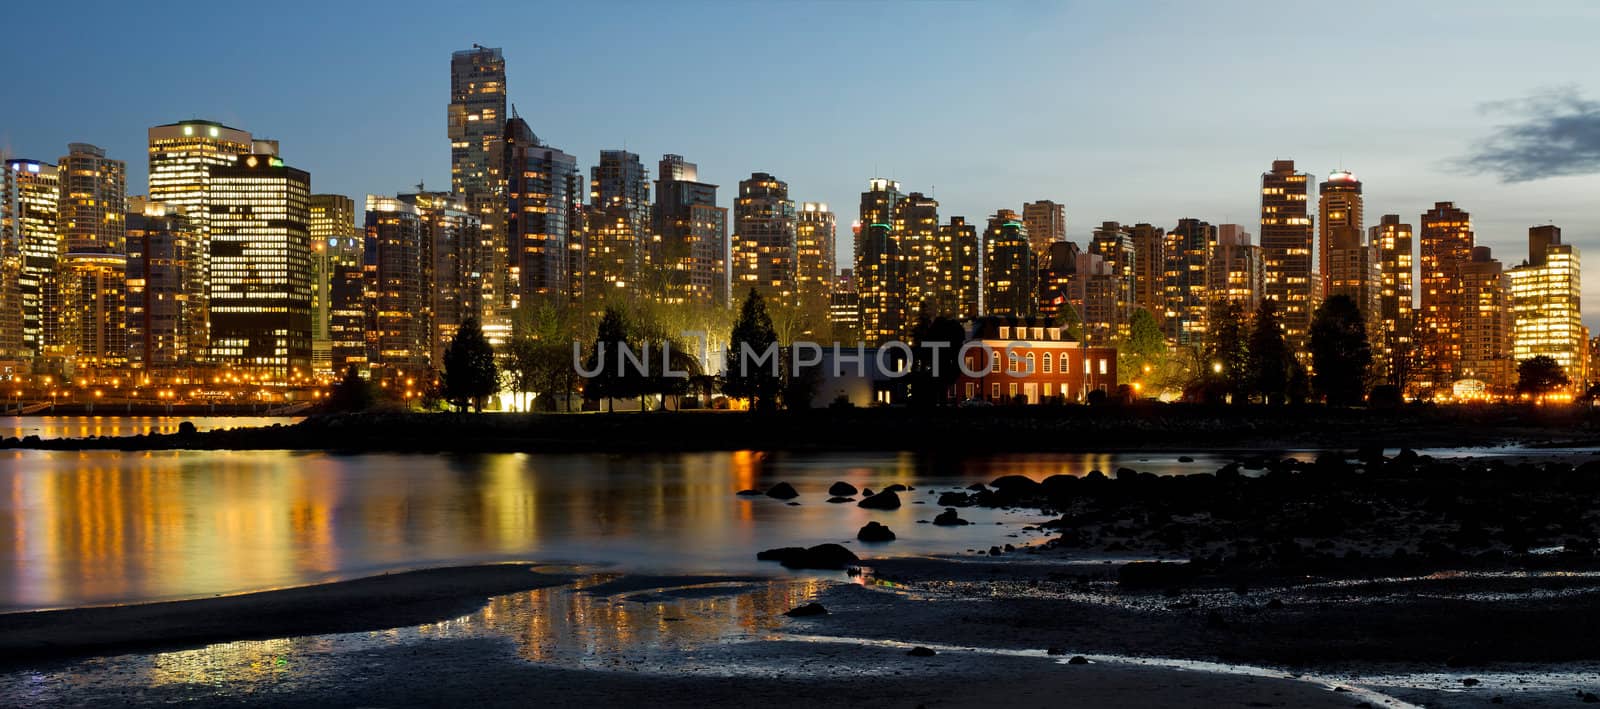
105	526
113	425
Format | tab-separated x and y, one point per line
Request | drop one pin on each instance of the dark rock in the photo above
1185	459
994	551
1056	651
821	556
920	651
874	532
1015	486
886	500
750	493
1275	604
837	500
1470	682
807	610
794	504
841	489
866	492
1078	660
897	487
949	518
977	487
186	428
782	491
955	499
1590	698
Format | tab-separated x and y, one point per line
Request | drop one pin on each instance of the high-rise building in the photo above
399	268
35	196
543	187
879	272
916	227
1095	292
1149	262
1352	270
181	155
1485	328
1235	269
336	243
162	249
452	240
88	325
844	308
1189	249
476	119
694	235
1446	246
1393	242
619	246
1114	245
1546	305
1047	224
764	252
347	318
12	352
1009	274
958	288
261	268
815	243
1338	215
1056	274
1286	249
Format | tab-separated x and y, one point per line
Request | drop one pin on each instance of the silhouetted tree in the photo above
1144	350
1537	376
470	375
1226	366
933	374
1270	358
743	377
609	379
1340	354
352	393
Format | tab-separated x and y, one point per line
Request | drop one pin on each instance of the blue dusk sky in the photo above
1126	111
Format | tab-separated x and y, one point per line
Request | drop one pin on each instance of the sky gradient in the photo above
1129	112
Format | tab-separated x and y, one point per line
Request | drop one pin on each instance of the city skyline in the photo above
1110	165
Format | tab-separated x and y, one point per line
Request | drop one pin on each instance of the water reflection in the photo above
104	526
113	425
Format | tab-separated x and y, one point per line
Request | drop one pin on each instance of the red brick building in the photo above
1007	358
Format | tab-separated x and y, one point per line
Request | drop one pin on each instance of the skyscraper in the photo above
1009	273
12	351
36	204
181	155
89	322
1393	346
476	119
1114	245
815	242
959	265
1546	299
693	232
1235	269
452	240
1484	330
1056	273
399	268
1446	247
162	248
1286	249
543	187
916	227
1351	269
1189	248
1339	221
261	268
1047	224
1149	262
336	243
879	270
619	246
765	255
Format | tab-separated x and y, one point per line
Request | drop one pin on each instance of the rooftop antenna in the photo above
420	188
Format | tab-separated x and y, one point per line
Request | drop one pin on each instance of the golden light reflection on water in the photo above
114	425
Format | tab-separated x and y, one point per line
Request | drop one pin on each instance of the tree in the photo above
1270	359
609	381
933	372
1540	375
1144	350
1068	317
1340	354
470	375
743	376
352	393
1226	366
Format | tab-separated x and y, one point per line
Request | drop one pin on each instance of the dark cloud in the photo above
1557	133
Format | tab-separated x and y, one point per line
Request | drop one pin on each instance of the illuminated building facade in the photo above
815	237
1189	248
1235	269
1050	364
476	119
1286	274
844	309
879	269
1393	243
1114	245
452	240
86	323
764	252
1546	305
347	318
162	250
12	352
1339	222
1353	271
693	232
399	268
1009	274
336	242
543	185
35	196
261	268
1149	261
1055	280
180	158
1485	328
958	266
618	243
1446	246
1047	224
916	227
1096	293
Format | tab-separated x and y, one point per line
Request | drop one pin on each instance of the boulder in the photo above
806	611
949	518
897	487
782	491
955	499
841	489
1185	459
837	500
875	532
1015	485
1078	660
920	651
750	493
886	500
821	556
